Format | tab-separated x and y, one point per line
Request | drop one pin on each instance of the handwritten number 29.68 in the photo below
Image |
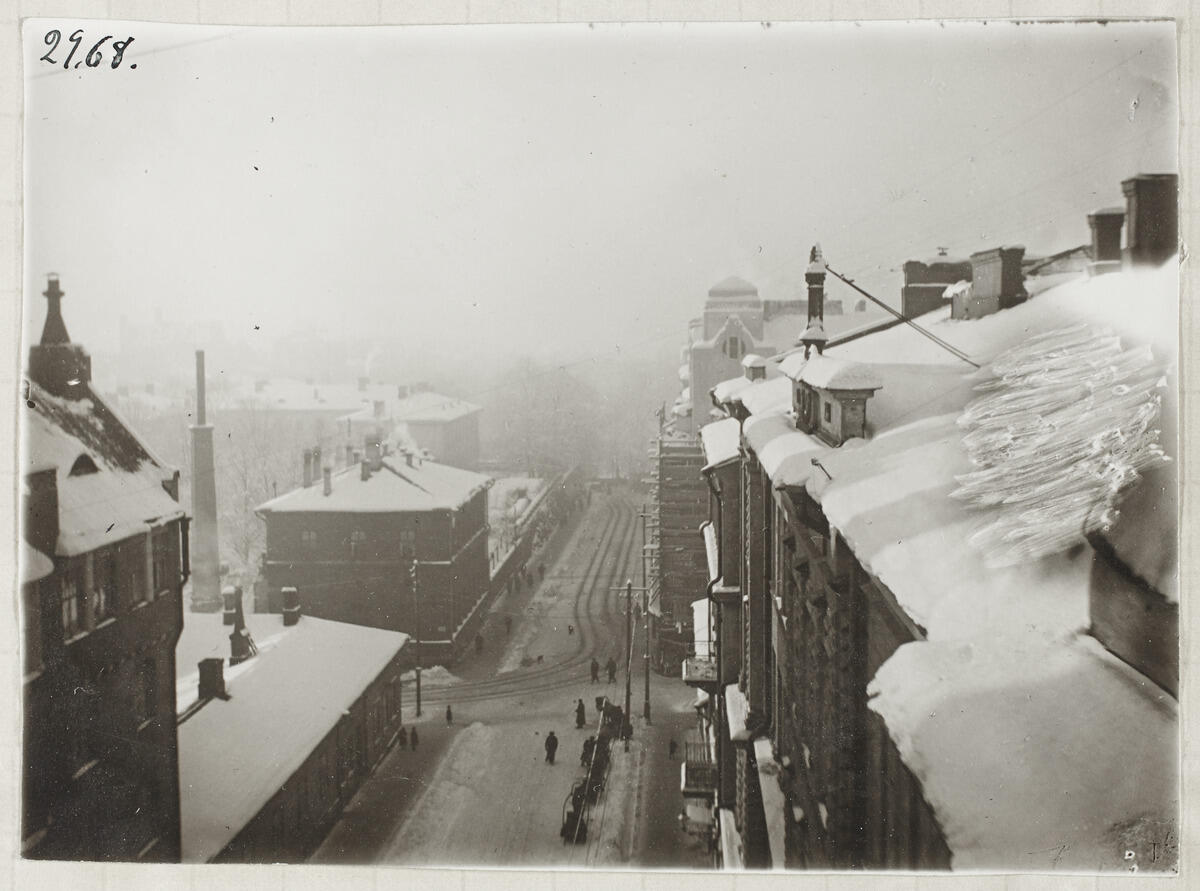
93	57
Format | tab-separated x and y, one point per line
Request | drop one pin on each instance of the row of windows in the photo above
357	543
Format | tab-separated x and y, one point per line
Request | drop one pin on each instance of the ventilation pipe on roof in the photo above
308	468
365	469
328	476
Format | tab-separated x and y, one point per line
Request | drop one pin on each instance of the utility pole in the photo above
628	658
645	621
417	621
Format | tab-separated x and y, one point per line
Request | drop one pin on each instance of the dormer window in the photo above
83	465
840	390
734	348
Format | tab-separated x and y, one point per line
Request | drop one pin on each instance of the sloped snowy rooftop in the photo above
1081	747
429	407
34	564
234	755
1036	754
832	373
784	452
721	441
771	396
727	389
396	487
124	496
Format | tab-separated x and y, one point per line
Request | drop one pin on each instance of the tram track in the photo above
594	619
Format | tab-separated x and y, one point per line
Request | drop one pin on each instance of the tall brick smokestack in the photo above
206	581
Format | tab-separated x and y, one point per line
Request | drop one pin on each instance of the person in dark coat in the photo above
414	739
589	746
402	739
551	746
672	748
595	671
612	669
580	714
449	716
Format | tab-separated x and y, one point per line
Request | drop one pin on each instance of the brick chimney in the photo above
373	449
814	278
59	366
1106	226
997	282
291	606
41	510
1152	212
308	468
755	367
327	474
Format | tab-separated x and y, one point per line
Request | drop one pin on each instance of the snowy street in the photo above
479	791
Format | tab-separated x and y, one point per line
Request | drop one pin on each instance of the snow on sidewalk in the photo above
452	790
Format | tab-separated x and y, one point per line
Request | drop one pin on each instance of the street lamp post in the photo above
628	658
645	621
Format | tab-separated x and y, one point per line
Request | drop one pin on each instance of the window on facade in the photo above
166	575
358	542
132	555
828	412
73	601
734	348
308	539
104	578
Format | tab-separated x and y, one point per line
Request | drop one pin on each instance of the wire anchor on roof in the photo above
953	350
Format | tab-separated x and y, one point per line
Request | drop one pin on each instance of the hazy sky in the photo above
562	190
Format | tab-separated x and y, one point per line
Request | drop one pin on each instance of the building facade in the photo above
903	672
105	556
393	542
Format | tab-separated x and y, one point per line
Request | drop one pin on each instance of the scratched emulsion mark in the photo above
1060	435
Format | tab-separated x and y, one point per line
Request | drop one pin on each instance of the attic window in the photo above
828	412
733	348
83	465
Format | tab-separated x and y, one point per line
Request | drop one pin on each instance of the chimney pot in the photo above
328	476
1152	218
365	468
229	613
308	468
291	606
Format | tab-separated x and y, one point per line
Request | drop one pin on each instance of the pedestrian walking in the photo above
595	671
449	716
570	630
402	739
551	746
672	748
580	714
414	739
612	669
589	746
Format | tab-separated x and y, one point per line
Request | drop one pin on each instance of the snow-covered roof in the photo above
753	360
235	754
1035	753
1078	747
34	564
831	373
685	373
784	452
121	497
721	441
711	551
727	389
770	396
702	630
395	488
429	406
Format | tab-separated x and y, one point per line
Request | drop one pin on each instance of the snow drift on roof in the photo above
395	488
235	755
771	396
727	389
721	441
733	287
838	374
1035	754
430	407
784	452
124	497
34	564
